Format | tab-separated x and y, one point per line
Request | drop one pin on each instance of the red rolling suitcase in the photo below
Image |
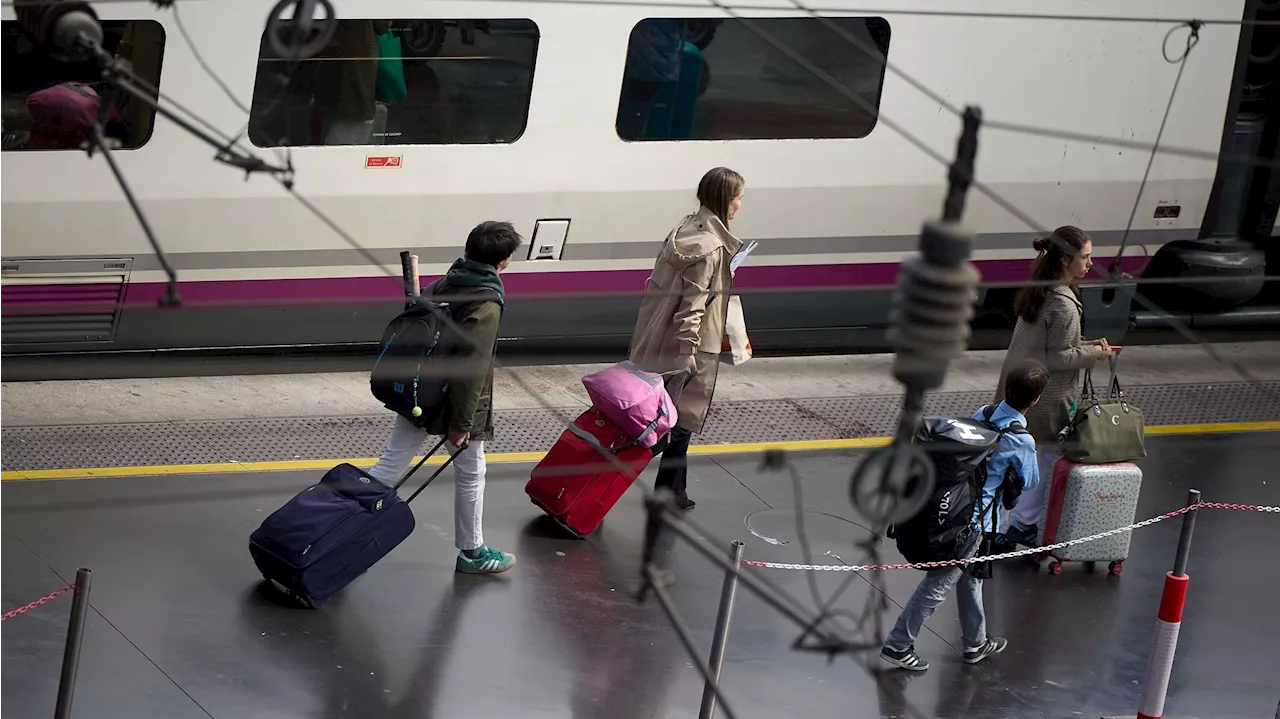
586	472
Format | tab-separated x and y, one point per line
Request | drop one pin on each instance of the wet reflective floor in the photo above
180	628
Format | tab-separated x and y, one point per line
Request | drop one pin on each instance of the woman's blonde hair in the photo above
718	189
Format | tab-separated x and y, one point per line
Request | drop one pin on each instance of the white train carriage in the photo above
588	126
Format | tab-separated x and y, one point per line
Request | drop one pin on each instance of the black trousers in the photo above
673	470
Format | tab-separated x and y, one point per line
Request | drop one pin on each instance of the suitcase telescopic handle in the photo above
425	457
685	376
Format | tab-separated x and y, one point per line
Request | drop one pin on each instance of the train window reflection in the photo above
399	82
50	104
714	79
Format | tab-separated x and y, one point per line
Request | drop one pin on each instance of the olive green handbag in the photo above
1106	430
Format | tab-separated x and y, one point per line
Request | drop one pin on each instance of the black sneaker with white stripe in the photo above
993	645
905	659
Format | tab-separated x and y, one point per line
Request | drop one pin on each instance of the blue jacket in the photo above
653	53
1014	450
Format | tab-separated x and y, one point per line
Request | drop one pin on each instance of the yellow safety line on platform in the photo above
517	457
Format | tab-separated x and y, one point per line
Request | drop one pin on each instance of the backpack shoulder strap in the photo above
1015	428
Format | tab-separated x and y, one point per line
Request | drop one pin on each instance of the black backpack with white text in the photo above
960	449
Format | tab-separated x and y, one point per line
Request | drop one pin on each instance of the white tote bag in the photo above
736	341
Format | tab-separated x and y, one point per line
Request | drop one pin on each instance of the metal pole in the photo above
1184	539
652	576
728	594
71	655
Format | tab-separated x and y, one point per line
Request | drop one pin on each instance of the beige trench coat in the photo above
684	308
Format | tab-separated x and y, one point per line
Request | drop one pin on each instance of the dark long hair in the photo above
717	189
1056	251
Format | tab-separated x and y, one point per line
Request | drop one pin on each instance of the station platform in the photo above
181	471
87	428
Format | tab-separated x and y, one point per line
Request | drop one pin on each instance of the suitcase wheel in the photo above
280	591
559	522
1055	567
1116	567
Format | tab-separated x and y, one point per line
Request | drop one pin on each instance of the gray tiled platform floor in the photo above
535	430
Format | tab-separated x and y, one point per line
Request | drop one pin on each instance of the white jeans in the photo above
1031	504
468	479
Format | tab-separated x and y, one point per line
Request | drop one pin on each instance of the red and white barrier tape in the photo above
39	602
1008	555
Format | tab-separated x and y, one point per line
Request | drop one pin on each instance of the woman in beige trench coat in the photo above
682	314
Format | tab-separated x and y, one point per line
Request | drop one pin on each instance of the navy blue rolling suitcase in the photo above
334	530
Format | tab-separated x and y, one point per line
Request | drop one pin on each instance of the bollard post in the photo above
728	594
71	654
1184	538
1169	619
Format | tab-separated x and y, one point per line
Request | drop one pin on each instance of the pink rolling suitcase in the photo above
1086	499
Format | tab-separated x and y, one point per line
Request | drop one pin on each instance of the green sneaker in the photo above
487	561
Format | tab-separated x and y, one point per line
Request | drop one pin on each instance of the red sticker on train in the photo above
382	161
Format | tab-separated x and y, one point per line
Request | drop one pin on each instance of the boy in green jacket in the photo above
490	247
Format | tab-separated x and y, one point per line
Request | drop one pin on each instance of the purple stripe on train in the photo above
361	290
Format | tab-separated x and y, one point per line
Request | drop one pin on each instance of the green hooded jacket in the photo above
471	394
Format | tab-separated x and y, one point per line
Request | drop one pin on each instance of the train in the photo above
588	125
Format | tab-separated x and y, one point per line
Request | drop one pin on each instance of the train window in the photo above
399	82
715	79
50	104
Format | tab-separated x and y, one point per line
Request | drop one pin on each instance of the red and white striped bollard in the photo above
1168	620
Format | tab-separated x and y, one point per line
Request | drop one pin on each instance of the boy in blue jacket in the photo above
1023	387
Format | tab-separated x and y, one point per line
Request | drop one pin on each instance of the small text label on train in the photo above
379	161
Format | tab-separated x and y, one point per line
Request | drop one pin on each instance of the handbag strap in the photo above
1087	390
1116	391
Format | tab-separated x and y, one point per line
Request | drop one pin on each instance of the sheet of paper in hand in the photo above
737	259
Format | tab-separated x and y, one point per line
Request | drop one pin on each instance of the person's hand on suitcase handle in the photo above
686	374
459	439
1106	349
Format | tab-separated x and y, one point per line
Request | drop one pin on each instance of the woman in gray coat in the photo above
1048	330
682	314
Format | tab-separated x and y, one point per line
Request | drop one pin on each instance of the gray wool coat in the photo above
1054	339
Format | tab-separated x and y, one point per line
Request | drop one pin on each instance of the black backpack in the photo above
960	449
411	370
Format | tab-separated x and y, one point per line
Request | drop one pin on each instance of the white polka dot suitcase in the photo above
1086	499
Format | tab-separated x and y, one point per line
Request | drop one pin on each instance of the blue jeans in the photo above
932	592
